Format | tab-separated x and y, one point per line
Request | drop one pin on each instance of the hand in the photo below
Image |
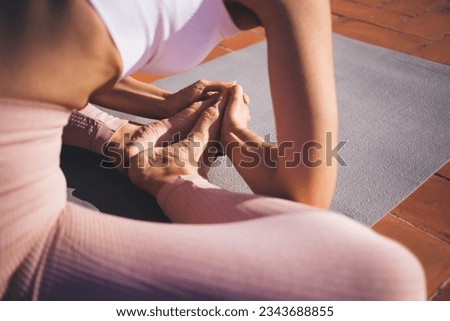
150	169
169	131
132	139
198	91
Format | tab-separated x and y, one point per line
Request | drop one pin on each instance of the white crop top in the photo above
164	36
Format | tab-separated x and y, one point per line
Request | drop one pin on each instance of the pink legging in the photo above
254	247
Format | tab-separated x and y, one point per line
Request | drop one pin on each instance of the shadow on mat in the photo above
105	190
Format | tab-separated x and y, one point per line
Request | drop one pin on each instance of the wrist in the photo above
117	146
230	139
230	134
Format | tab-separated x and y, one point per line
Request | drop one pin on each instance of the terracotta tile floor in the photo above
420	28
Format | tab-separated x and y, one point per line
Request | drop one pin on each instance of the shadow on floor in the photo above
105	190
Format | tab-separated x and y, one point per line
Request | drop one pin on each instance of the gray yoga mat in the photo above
394	115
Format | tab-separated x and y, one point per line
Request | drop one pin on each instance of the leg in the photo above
295	256
80	254
299	252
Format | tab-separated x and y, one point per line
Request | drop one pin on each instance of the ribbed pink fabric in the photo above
32	186
268	249
90	128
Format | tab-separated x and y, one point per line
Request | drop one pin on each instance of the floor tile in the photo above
432	252
242	40
443	294
438	51
372	3
410	7
368	14
446	4
432	25
428	208
379	36
445	170
146	77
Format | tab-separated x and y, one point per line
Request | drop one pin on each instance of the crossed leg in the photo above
297	253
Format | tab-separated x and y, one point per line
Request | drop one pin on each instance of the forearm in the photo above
255	160
301	69
303	93
134	97
306	109
194	200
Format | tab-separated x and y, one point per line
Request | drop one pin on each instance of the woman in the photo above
63	54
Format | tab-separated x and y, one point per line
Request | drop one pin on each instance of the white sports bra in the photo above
164	36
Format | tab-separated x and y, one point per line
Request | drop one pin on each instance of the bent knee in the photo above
393	273
335	258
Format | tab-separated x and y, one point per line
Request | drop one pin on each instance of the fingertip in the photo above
246	99
222	101
236	91
230	84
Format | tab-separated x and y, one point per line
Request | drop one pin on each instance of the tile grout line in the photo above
423	46
409	195
376	6
418	228
442	176
386	28
408	18
440	289
383	2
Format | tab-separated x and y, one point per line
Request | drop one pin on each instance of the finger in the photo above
209	118
213	148
168	131
205	85
236	95
199	89
182	123
208	94
246	99
220	105
194	109
205	128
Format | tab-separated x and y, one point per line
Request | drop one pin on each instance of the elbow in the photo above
319	199
313	187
